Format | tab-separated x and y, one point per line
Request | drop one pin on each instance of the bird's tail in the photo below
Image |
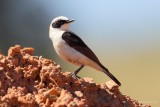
106	71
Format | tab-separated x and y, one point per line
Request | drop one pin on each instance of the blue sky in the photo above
121	21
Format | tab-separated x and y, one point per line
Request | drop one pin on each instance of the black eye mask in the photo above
59	23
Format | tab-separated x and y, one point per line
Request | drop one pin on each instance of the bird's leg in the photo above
76	71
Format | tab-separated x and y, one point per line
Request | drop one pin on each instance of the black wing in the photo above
76	42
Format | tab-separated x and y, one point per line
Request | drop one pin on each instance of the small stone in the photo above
13	51
90	80
79	93
112	85
28	50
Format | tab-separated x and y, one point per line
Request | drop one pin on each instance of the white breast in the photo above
62	48
56	37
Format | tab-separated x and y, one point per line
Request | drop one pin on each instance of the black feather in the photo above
106	71
59	23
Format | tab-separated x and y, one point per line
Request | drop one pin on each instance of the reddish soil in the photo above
33	81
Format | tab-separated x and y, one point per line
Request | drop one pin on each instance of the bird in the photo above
71	48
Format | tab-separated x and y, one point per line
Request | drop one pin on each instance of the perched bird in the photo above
71	48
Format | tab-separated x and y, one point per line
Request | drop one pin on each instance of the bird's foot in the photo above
75	76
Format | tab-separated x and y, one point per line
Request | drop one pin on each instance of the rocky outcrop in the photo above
33	81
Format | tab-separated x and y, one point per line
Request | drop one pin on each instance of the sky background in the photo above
125	35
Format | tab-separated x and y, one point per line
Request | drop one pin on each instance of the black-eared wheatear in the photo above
71	48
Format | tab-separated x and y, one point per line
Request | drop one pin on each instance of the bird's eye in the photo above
61	22
58	23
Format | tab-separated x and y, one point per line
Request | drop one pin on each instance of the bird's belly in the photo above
70	54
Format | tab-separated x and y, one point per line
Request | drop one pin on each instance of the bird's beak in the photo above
72	20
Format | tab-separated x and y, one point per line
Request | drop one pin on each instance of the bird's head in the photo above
61	22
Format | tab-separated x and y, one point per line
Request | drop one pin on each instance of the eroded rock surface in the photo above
33	81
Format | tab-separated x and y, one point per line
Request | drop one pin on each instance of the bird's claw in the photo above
74	75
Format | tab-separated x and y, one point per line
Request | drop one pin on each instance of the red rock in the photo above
32	81
28	50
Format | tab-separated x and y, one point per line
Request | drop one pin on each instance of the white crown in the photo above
60	18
